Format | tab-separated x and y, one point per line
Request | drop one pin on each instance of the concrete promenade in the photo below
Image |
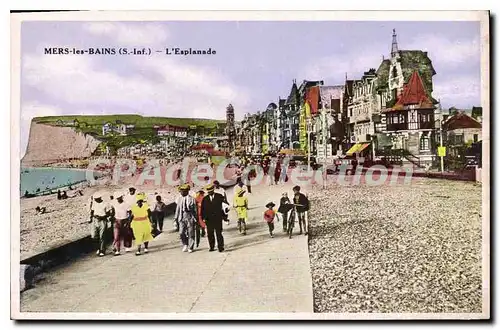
256	273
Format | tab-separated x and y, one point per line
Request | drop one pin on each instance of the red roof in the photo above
414	94
312	96
171	128
216	153
202	146
459	121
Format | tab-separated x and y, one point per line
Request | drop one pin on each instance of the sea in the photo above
39	180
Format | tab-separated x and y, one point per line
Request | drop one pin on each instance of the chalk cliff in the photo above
48	144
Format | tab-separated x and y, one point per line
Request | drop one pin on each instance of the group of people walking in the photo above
289	211
131	217
200	215
196	216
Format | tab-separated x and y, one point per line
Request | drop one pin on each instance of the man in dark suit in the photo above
302	206
212	214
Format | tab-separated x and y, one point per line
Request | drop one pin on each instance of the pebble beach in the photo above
397	249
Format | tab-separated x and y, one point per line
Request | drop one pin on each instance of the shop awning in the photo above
363	147
358	147
353	149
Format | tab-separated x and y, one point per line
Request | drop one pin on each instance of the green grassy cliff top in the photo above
137	120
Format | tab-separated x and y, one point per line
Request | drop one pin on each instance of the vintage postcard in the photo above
250	165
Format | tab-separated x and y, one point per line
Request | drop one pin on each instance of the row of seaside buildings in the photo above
388	111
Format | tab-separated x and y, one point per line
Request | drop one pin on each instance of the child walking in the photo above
269	216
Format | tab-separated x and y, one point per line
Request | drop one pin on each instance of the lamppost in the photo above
440	121
441	143
309	131
324	130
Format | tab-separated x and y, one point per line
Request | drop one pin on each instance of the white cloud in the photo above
449	57
154	86
129	33
150	86
334	68
460	91
445	52
183	90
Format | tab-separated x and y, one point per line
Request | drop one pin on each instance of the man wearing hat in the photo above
186	216
213	214
219	190
122	216
130	199
99	212
301	203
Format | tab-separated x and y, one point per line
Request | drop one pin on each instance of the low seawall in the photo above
470	175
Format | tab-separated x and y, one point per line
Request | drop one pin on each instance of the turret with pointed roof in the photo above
394	47
414	93
293	97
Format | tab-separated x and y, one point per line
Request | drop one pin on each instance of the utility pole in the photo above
441	135
308	144
325	147
372	137
441	143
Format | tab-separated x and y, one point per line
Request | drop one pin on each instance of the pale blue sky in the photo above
254	65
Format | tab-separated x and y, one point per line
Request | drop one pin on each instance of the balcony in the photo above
359	118
397	127
426	125
363	117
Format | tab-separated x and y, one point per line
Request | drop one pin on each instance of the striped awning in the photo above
358	147
363	147
353	149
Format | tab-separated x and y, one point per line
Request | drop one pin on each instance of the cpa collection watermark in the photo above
118	170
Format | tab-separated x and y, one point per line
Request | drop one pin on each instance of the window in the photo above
395	119
425	118
459	139
394	72
424	143
476	138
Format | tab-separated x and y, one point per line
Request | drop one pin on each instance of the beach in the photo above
397	248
